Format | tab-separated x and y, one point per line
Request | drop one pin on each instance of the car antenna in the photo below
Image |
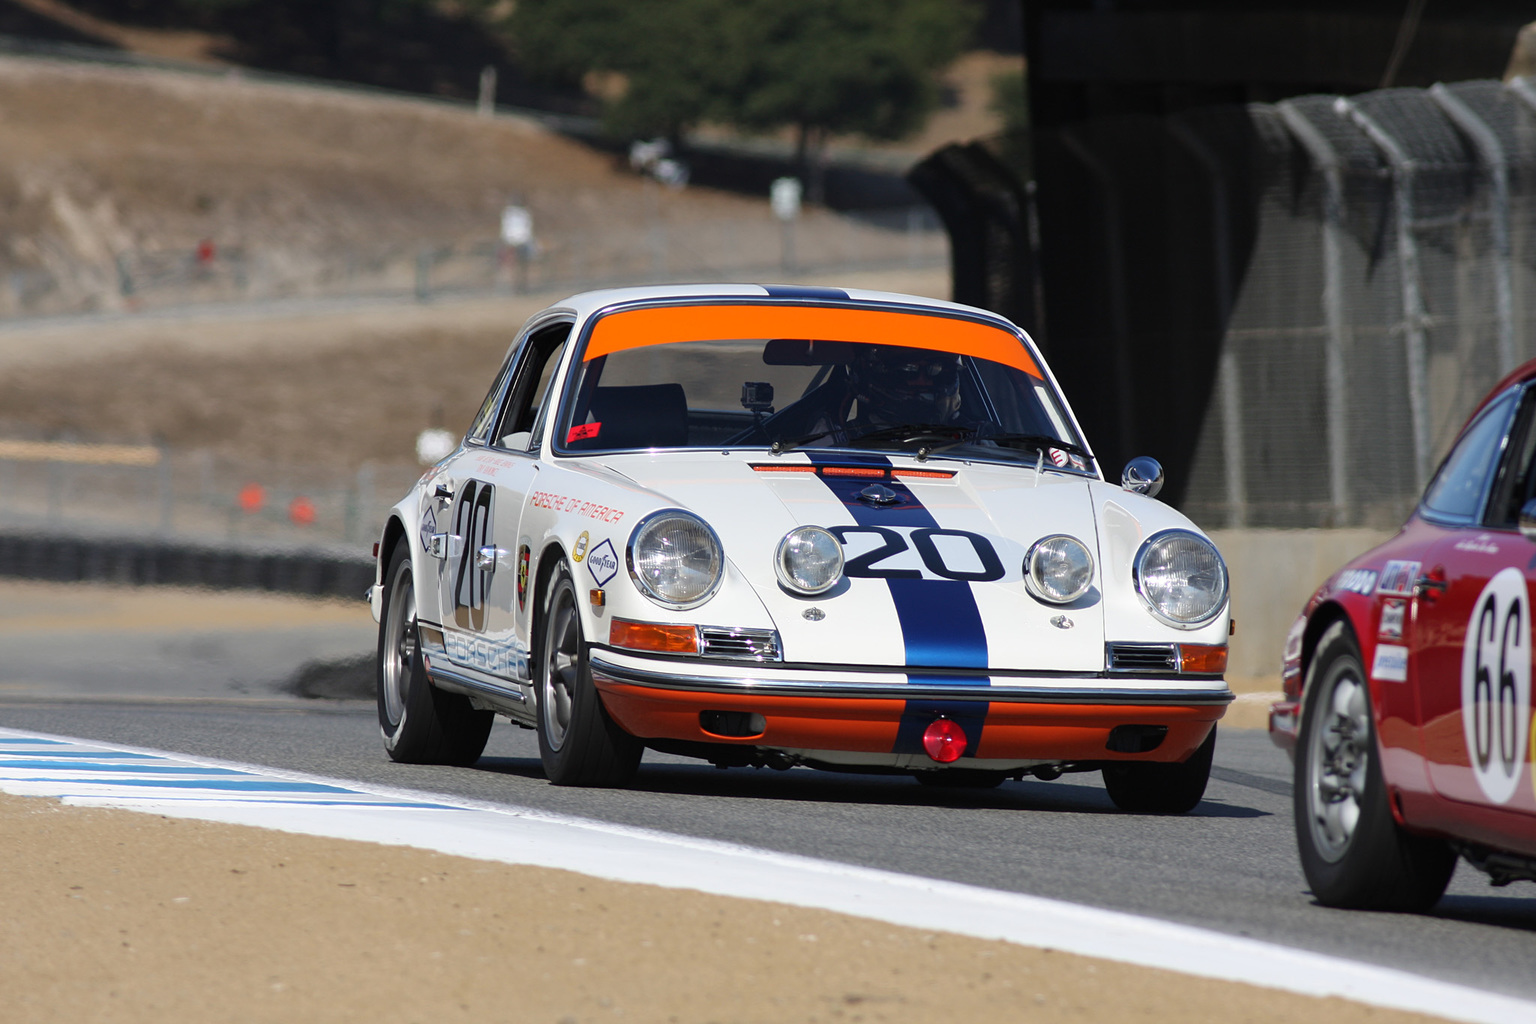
1039	465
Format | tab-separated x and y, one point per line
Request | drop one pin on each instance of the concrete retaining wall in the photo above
1273	573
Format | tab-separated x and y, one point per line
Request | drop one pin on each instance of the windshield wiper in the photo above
1037	441
900	432
908	432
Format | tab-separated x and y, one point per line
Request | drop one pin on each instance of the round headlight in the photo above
1058	569
675	559
809	560
1181	577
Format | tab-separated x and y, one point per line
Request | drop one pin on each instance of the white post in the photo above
1415	344
1491	152
1327	162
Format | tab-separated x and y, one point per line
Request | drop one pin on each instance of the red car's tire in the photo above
1353	852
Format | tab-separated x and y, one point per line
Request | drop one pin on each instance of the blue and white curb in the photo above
84	773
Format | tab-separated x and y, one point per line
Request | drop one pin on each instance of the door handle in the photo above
444	545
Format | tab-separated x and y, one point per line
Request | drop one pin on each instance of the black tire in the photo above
961	778
1353	852
1152	787
579	743
420	723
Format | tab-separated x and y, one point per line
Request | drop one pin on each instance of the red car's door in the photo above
1471	637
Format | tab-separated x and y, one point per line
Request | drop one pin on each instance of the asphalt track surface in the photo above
1230	866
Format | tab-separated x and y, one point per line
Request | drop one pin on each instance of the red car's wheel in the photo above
1353	853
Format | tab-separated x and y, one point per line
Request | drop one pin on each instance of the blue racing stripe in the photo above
139	767
940	622
800	291
250	785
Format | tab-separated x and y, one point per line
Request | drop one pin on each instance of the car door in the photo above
483	581
1472	613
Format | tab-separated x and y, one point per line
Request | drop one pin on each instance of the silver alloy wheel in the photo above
1338	755
562	664
400	656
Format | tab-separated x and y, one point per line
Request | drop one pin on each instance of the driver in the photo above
892	386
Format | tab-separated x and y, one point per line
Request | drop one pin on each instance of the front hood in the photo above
946	591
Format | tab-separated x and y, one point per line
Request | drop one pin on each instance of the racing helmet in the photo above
906	385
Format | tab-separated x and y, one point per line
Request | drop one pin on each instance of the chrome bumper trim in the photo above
1004	693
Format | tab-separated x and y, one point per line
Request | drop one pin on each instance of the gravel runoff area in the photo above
124	916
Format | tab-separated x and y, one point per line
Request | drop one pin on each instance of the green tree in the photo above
821	67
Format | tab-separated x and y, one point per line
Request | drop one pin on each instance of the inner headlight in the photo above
809	560
675	559
1058	569
1181	577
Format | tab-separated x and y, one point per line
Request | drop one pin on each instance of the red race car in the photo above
1407	680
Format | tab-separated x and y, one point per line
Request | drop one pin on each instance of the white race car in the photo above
779	526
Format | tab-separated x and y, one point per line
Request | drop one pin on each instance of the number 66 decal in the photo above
981	566
1496	685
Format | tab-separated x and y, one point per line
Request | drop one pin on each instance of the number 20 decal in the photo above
924	542
1496	685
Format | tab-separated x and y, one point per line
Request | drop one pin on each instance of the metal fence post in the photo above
1328	165
1119	313
1414	343
1232	445
1491	152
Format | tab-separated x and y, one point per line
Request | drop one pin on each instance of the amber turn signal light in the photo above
651	636
1203	659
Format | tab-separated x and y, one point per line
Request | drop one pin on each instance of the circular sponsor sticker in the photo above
1496	685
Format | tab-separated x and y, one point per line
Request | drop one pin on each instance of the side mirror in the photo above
1527	520
1144	475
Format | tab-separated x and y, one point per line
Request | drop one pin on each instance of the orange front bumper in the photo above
1012	730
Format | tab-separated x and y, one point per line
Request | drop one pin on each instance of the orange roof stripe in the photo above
662	325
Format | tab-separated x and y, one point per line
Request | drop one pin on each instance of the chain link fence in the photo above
1295	305
656	251
192	497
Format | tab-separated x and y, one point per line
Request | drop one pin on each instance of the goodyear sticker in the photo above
1397	578
603	563
1392	615
1358	581
580	551
1390	664
428	528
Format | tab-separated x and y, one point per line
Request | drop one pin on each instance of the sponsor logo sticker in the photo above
1482	544
603	563
428	528
523	556
1397	578
1358	581
1496	685
1392	614
1390	664
583	431
580	551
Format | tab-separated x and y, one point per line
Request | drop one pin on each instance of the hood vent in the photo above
739	644
1142	657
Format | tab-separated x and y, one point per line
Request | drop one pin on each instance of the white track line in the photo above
86	773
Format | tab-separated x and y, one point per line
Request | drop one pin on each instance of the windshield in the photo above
876	380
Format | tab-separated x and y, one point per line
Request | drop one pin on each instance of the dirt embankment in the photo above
100	161
114	915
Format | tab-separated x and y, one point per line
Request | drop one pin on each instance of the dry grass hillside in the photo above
102	160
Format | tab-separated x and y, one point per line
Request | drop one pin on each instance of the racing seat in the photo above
641	416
